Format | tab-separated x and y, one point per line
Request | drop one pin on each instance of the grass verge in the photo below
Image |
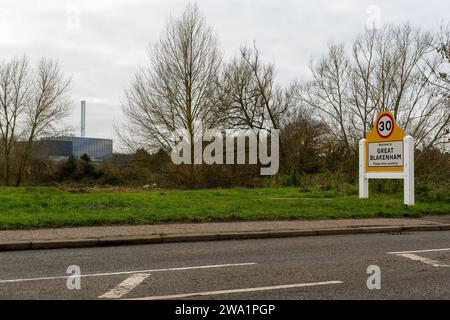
27	208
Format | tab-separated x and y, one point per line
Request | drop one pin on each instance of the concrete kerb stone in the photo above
69	243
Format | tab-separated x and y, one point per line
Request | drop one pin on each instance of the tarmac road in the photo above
319	267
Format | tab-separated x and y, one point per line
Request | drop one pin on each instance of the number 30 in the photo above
385	125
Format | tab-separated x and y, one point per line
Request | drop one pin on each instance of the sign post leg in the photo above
409	171
363	181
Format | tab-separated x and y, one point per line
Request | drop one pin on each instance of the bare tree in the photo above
47	103
387	69
440	65
32	101
326	92
250	96
14	93
178	89
438	75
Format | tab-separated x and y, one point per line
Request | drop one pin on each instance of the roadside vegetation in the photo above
29	207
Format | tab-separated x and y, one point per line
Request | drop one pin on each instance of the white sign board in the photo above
386	154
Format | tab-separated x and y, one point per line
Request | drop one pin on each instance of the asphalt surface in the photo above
333	267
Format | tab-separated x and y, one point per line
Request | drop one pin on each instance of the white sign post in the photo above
387	155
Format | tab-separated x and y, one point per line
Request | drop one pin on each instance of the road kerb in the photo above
337	231
293	233
189	237
243	235
156	238
422	228
380	229
69	243
130	240
12	246
256	234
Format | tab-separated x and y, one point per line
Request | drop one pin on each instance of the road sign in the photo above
387	153
384	145
385	125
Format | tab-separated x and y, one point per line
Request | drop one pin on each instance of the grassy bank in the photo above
24	208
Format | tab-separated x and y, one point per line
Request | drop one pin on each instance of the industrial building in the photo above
61	148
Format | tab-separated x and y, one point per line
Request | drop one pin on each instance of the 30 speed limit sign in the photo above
385	125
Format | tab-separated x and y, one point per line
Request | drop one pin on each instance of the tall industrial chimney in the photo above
83	118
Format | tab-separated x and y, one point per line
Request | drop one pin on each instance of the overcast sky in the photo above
101	43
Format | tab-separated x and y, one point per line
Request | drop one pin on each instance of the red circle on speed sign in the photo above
385	125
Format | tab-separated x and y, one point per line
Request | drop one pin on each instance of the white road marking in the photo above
418	251
209	293
429	261
133	272
413	256
125	286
